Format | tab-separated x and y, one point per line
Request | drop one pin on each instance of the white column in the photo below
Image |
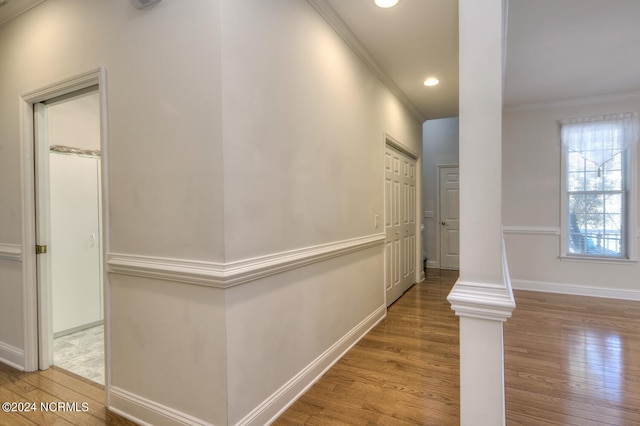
482	297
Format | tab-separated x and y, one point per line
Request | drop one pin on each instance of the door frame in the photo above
34	345
438	239
389	141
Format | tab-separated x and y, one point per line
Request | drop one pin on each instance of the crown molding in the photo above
342	29
611	97
14	9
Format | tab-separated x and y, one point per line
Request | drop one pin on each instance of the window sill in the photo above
595	259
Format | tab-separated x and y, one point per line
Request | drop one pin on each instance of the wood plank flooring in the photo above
53	386
569	360
572	360
404	372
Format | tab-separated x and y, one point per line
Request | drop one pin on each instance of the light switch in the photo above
428	213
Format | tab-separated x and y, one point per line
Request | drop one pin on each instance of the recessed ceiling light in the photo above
431	82
385	4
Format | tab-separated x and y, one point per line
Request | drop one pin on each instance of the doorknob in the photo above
443	223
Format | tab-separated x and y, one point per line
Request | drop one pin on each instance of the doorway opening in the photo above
69	232
64	201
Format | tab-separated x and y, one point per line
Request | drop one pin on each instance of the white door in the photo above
449	218
43	236
75	241
400	223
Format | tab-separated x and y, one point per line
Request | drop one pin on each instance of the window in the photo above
598	204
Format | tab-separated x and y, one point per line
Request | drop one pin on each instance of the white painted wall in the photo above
164	182
439	146
304	125
236	129
531	198
305	119
76	122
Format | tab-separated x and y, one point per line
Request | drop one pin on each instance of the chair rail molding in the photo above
11	252
225	275
531	230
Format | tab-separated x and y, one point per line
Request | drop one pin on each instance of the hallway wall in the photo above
245	166
164	158
304	126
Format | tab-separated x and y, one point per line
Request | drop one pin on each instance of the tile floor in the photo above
81	353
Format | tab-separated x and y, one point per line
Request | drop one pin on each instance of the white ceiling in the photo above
556	49
560	50
414	40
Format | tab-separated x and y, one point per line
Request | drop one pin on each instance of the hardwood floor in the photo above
404	372
572	360
50	387
569	360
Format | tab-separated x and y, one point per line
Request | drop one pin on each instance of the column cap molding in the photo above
481	300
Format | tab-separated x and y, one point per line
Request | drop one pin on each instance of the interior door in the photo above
449	218
400	223
75	241
43	235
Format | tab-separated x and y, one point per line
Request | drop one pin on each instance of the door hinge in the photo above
41	249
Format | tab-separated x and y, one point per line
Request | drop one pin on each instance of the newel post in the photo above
482	297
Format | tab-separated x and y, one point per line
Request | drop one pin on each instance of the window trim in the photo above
631	213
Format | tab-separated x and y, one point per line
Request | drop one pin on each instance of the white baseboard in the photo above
530	230
134	407
267	412
12	356
432	264
575	289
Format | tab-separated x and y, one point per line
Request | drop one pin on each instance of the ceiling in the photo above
562	50
411	41
556	50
